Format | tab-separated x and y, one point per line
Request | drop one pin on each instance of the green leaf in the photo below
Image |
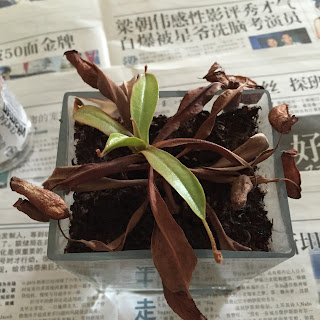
96	118
117	140
179	177
144	99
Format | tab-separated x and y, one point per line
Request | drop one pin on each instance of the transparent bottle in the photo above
15	130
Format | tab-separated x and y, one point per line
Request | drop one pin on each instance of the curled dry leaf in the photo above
106	105
127	86
248	151
108	183
183	305
204	145
244	81
267	153
26	207
192	103
54	182
93	76
261	179
280	118
45	201
93	171
215	74
206	127
241	186
94	245
215	176
226	170
77	104
292	173
226	243
117	244
59	174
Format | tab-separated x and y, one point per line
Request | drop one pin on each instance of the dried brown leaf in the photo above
100	184
172	254
226	243
214	176
261	179
267	153
292	173
94	171
93	76
77	104
26	207
248	151
117	244
295	189
94	245
128	85
59	174
204	145
251	98
222	101
108	183
174	208
280	118
225	170
241	186
216	75
183	305
243	81
106	105
45	201
190	106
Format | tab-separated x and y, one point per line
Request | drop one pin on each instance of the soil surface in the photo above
104	215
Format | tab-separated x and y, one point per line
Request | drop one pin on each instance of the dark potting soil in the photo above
104	215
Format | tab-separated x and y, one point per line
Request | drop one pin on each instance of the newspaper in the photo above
45	31
276	43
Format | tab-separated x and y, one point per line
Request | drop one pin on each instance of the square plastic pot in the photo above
134	270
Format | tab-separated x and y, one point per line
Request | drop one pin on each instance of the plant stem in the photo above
216	253
64	235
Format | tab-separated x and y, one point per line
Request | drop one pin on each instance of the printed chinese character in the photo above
65	42
179	19
143	273
183	35
164	38
250	9
145	306
299	84
146	40
307	147
127	44
270	86
146	23
49	44
214	14
124	26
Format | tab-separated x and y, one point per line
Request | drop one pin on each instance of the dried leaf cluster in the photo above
136	101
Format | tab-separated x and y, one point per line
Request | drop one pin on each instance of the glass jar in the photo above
15	130
133	270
